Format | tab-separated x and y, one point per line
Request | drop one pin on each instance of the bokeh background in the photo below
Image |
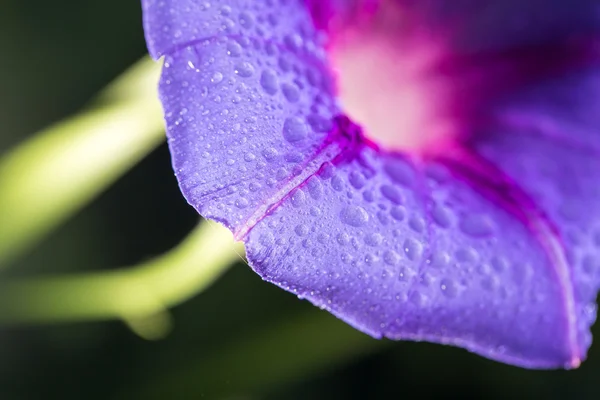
242	338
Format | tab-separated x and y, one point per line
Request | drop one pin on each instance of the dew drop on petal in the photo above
392	194
413	249
373	239
354	216
244	69
290	92
390	257
268	81
241	203
476	225
398	213
217	77
234	49
449	288
294	129
301	230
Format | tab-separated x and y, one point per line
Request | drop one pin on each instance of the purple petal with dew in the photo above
247	117
407	255
553	150
483	247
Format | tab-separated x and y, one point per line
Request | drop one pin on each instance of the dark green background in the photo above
243	338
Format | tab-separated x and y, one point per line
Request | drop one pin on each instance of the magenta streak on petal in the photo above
490	181
312	166
341	143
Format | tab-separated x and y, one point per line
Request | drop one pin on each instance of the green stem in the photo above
139	295
53	175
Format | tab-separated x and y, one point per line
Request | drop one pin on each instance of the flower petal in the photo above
172	25
397	249
399	253
553	152
248	119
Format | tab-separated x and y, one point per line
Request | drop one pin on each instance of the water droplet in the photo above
298	198
392	194
476	225
293	42
390	257
449	288
413	249
383	218
319	123
342	238
244	69
315	188
290	92
354	216
301	230
246	20
315	211
489	283
234	49
268	81
249	157
357	180
254	186
266	239
225	11
216	77
400	172
270	154
467	255
417	224
398	213
371	259
294	129
440	259
441	216
337	183
346	258
241	203
373	239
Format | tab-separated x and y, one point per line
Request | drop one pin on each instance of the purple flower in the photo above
422	169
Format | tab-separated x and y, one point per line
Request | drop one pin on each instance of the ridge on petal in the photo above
491	182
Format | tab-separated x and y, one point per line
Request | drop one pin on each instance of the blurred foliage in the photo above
242	338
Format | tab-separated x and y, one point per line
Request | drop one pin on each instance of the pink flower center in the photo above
386	81
404	80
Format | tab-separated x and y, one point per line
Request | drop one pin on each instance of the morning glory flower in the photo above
422	169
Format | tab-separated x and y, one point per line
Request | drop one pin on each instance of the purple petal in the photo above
483	246
404	254
553	150
247	119
171	25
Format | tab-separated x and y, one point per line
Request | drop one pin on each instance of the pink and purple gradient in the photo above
422	169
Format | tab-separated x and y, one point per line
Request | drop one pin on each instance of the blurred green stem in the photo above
53	175
139	295
259	361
